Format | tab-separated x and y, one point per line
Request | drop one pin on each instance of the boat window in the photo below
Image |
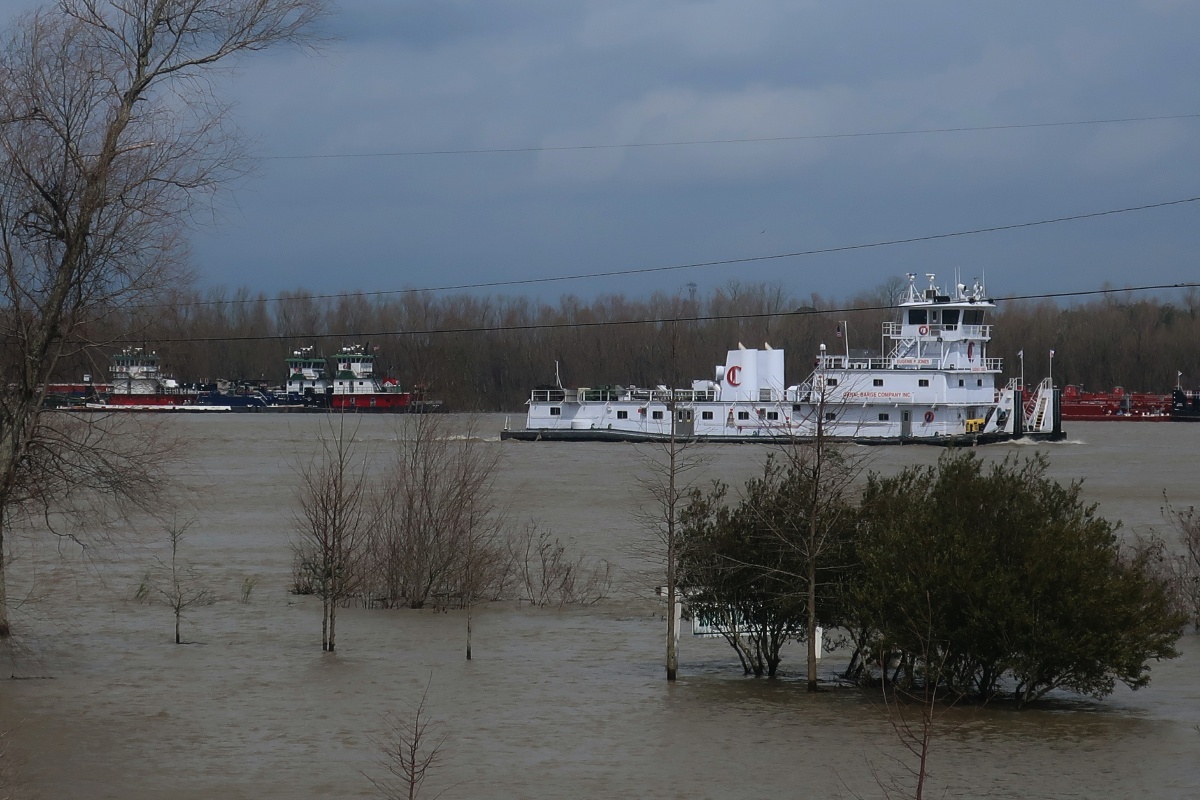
950	317
879	381
658	415
961	382
922	381
979	382
762	412
743	415
917	316
706	415
830	416
555	411
973	317
831	381
883	417
622	415
772	415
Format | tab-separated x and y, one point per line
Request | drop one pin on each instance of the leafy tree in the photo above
811	515
994	579
748	566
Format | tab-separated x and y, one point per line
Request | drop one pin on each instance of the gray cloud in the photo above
419	76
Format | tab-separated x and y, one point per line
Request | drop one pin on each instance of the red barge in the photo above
1116	405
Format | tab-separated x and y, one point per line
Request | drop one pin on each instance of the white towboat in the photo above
936	385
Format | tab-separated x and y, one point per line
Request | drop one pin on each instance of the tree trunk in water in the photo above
5	631
332	622
177	627
812	549
325	621
672	649
468	631
813	644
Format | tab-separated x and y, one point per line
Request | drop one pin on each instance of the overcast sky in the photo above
412	76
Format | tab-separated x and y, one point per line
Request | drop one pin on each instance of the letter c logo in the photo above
731	376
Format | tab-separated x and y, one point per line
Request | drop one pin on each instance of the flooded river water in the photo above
569	703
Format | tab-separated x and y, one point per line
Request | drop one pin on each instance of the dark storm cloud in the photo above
424	76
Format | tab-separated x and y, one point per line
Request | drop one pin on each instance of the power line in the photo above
746	140
537	326
694	265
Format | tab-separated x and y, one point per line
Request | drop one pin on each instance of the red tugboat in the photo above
355	387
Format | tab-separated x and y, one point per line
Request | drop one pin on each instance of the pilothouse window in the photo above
917	316
950	318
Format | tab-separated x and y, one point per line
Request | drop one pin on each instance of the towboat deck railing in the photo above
672	395
841	362
588	395
896	330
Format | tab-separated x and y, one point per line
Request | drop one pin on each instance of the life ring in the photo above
923	330
971	352
928	416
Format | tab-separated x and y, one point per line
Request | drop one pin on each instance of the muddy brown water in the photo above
556	703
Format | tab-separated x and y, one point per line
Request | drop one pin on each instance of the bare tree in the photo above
333	523
410	748
549	576
669	470
181	587
86	476
819	518
1185	565
919	692
109	136
438	537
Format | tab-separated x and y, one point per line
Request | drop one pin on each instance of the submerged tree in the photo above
180	587
669	469
333	523
1006	581
438	538
410	749
109	136
812	515
1185	564
737	578
768	569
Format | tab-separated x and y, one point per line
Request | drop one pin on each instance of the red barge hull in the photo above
385	401
1116	405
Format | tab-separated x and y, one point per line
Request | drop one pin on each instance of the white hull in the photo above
152	407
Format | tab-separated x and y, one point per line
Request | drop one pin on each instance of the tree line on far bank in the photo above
484	353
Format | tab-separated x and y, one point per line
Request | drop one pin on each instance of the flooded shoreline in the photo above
554	703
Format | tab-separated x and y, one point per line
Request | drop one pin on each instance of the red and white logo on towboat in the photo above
731	375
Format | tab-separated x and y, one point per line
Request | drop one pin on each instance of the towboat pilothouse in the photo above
936	384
